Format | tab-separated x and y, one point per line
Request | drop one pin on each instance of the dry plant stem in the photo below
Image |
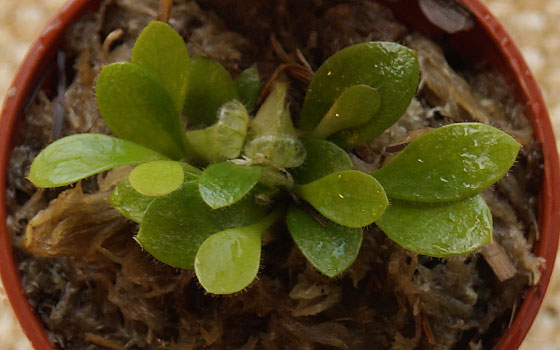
279	50
164	11
203	50
497	258
427	330
93	121
110	39
37	88
303	60
298	71
513	313
103	342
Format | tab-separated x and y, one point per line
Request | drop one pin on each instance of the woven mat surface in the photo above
534	25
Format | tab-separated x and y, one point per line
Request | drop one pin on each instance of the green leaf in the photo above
132	204
331	249
175	225
323	158
228	261
449	163
191	172
390	68
129	202
157	178
223	184
223	140
440	230
137	108
76	157
248	85
273	136
355	106
161	50
210	86
349	198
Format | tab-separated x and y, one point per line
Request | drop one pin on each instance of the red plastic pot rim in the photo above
44	48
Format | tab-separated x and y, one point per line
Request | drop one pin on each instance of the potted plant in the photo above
203	145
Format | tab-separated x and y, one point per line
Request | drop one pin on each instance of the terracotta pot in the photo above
486	39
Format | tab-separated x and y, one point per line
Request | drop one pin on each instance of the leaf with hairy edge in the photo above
439	230
137	108
223	140
248	85
228	261
390	68
223	184
161	50
355	106
157	178
132	204
174	226
129	202
210	86
331	248
349	198
323	158
76	157
449	163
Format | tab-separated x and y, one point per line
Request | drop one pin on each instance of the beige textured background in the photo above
534	25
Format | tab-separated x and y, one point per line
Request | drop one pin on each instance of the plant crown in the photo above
205	194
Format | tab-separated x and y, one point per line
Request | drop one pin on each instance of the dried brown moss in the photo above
102	291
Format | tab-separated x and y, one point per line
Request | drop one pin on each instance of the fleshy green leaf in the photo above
449	163
223	140
349	198
132	204
248	85
161	50
76	157
331	249
273	135
228	261
355	106
323	158
210	86
175	225
191	172
137	108
157	178
223	184
129	202
440	230
390	68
